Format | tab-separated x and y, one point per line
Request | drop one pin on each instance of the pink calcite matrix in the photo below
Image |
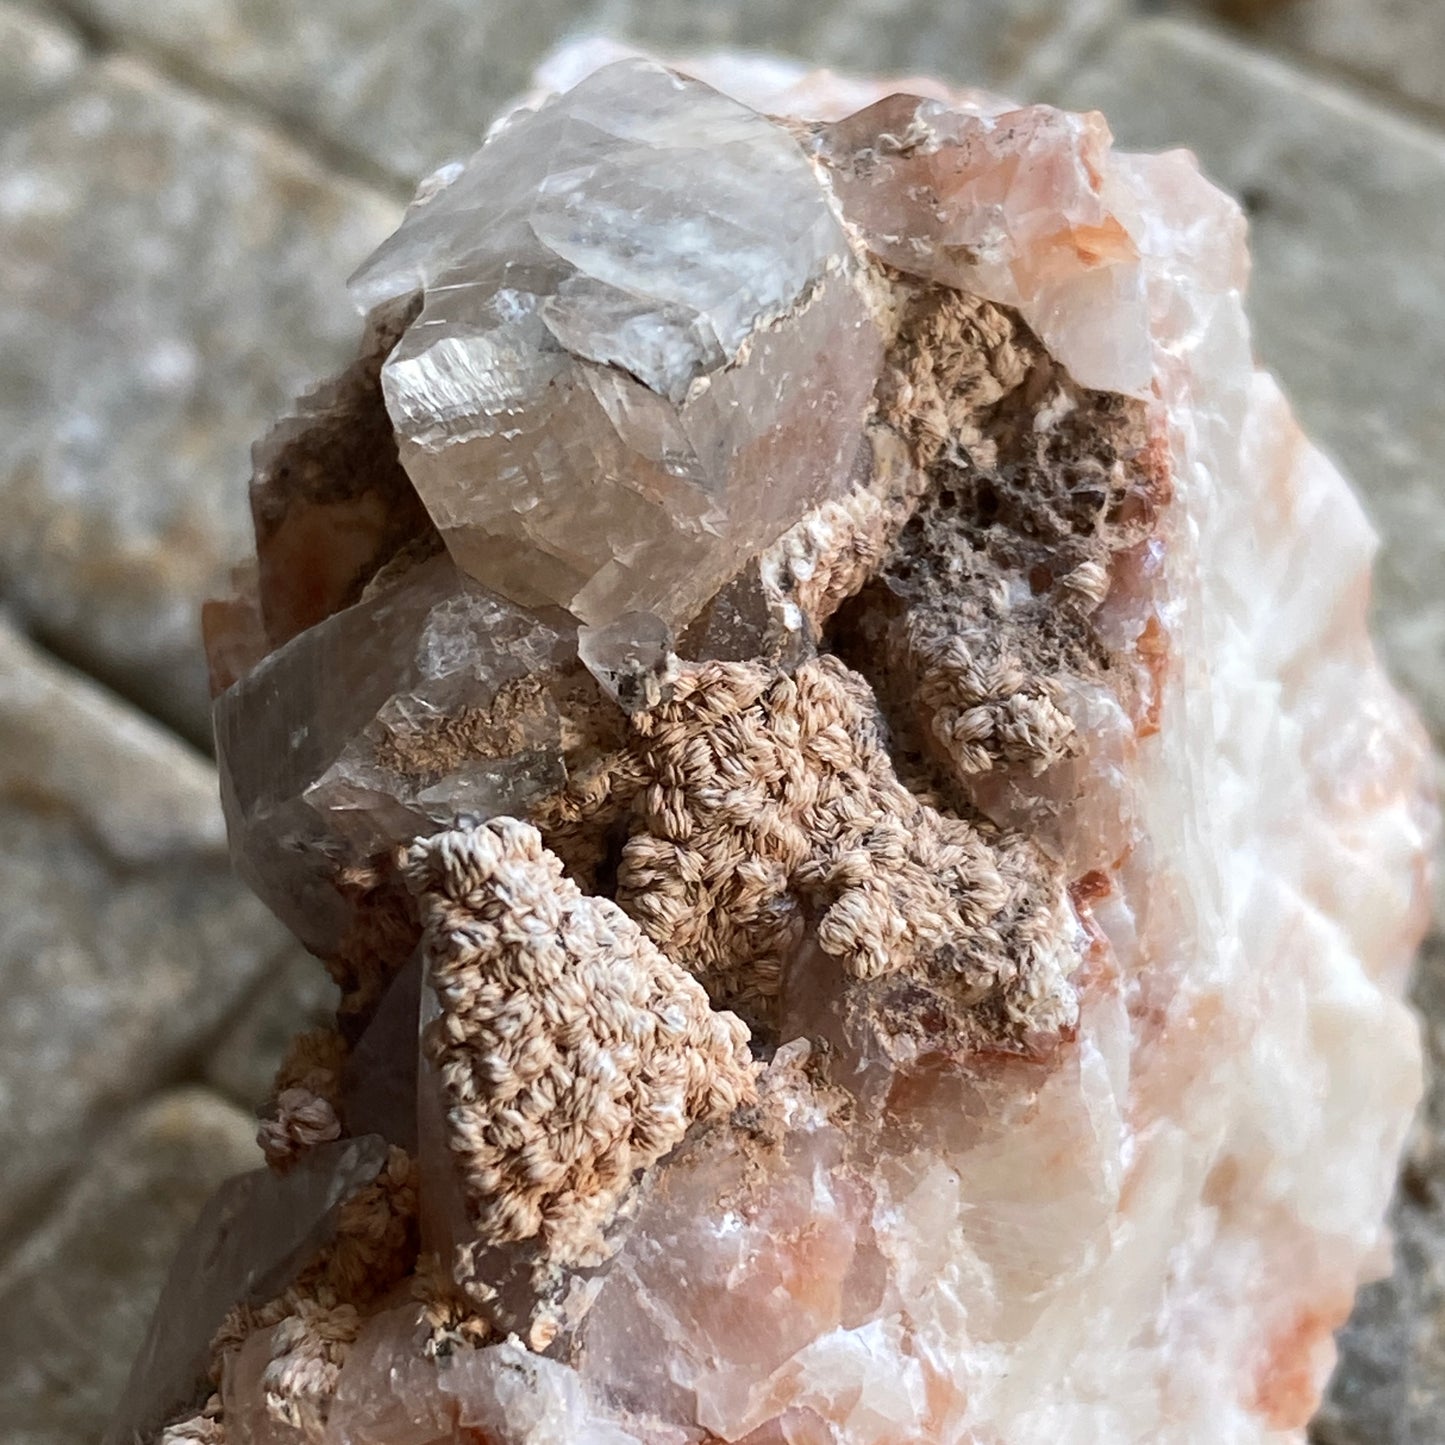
806	664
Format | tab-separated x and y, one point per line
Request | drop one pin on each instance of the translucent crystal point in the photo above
386	720
252	1238
632	658
627	376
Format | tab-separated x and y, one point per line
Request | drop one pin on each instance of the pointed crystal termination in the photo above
432	698
253	1237
631	658
627	377
973	201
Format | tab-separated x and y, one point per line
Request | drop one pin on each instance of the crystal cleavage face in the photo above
619	388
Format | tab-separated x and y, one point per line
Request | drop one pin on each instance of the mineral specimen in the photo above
819	710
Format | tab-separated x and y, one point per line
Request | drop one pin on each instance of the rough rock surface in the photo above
1070	929
102	1259
129	397
1344	198
124	940
1345	201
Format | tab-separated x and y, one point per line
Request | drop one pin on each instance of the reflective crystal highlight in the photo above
654	375
432	698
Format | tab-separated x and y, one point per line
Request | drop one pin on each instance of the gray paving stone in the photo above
1348	295
1398	45
1390	1387
1348	205
38	60
125	942
170	276
408	89
1010	44
297	996
76	1299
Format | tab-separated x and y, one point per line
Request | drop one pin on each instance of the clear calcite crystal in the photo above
839	767
631	658
415	705
627	377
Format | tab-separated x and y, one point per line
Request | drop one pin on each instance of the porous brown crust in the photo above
983	610
305	1104
572	1055
773	815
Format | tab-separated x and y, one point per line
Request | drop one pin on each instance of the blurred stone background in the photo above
184	185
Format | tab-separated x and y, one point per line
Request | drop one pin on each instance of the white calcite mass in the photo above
829	738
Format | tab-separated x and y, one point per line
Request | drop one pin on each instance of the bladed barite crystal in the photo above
838	764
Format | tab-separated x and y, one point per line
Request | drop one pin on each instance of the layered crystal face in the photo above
837	762
420	704
627	376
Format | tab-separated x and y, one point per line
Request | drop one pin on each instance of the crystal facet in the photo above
654	375
252	1239
427	700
